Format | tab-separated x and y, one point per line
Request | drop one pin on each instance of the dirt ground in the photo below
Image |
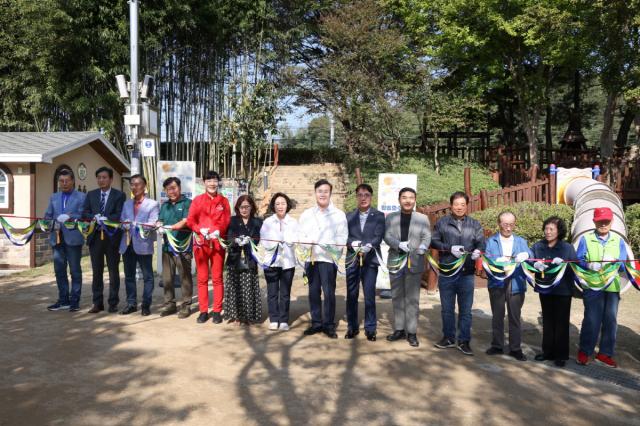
62	368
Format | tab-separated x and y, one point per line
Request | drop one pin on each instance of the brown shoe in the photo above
95	309
185	311
168	309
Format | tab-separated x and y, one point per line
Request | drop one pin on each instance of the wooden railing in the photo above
537	190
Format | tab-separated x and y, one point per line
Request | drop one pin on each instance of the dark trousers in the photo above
322	279
63	256
130	259
99	249
499	297
181	262
555	326
279	293
367	274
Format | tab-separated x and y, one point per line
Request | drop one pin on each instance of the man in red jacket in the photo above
209	218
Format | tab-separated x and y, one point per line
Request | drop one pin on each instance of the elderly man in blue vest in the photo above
505	246
64	207
137	244
597	250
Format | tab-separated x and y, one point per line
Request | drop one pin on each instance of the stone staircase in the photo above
297	182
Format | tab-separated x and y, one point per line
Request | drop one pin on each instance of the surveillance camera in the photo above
122	86
146	91
130	145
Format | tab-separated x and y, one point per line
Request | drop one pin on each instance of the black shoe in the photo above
185	311
203	317
74	309
397	335
58	306
413	340
465	348
371	335
331	333
129	309
312	330
560	362
518	355
169	309
541	357
351	334
494	351
145	311
95	309
113	309
216	318
445	343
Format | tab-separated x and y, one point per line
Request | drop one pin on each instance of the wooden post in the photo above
358	176
467	181
552	185
484	200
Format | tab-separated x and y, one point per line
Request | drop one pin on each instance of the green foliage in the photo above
301	155
432	188
529	216
632	217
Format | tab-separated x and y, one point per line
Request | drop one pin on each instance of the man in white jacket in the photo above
325	227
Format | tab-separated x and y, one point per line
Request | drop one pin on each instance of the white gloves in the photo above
421	250
475	254
99	218
215	234
540	266
594	266
557	260
355	244
404	246
366	248
243	240
608	259
521	257
126	226
503	259
160	230
457	251
63	218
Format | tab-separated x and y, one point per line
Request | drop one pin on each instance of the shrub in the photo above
632	217
530	217
298	156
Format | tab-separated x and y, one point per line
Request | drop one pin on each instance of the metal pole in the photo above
134	107
332	131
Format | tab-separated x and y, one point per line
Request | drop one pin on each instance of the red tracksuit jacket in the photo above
209	212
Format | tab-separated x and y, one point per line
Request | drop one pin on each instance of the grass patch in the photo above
432	188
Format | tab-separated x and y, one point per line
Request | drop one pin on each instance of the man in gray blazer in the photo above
65	207
408	234
138	243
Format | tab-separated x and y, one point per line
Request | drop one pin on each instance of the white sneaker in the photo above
284	327
273	326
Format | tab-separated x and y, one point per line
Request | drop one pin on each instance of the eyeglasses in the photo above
365	195
508	225
244	207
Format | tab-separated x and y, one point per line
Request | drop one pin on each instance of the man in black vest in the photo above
102	204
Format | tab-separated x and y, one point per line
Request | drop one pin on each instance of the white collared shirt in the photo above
328	226
274	230
507	245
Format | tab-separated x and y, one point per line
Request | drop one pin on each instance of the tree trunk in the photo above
606	137
529	123
625	126
548	136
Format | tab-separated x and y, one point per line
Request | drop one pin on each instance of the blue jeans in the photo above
130	258
367	274
64	255
600	316
461	287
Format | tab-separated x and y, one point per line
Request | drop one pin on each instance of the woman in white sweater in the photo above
279	232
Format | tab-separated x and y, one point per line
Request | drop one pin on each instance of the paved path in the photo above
80	369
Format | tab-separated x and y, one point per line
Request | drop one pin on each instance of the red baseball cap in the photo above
602	213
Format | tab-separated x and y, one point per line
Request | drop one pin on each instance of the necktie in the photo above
103	199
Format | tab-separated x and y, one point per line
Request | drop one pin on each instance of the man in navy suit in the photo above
65	207
366	230
104	203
